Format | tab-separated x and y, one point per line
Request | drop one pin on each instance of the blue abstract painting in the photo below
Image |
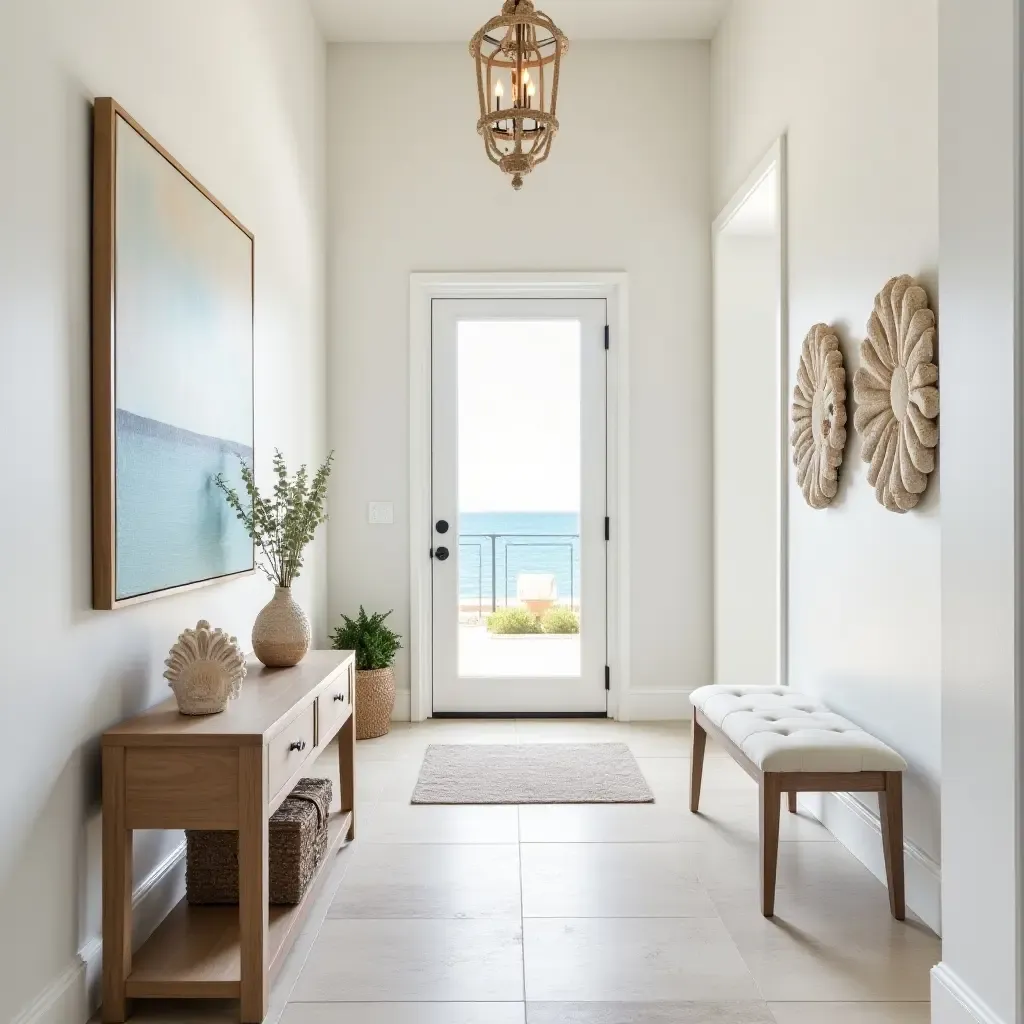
183	376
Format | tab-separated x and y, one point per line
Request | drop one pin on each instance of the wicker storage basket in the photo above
375	700
298	838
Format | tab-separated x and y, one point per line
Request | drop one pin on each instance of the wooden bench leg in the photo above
792	801
698	741
890	806
771	806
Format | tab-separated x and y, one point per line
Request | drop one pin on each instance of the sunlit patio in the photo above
503	655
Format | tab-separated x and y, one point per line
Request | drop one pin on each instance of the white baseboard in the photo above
953	1002
655	705
403	707
860	831
663	705
72	997
63	1001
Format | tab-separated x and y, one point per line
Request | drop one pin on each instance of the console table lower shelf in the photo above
195	953
164	770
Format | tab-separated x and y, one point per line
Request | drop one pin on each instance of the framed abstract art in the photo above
172	371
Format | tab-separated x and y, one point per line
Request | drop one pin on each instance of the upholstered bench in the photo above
788	742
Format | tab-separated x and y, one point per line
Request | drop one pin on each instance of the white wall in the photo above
746	455
853	84
979	979
626	188
235	89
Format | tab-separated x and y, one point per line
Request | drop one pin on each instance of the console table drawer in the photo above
291	748
334	705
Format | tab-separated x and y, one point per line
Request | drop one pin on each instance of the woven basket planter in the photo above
298	839
375	700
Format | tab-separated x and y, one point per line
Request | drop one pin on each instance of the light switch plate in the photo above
382	513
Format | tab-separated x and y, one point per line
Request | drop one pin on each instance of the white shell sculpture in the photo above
205	669
819	416
896	394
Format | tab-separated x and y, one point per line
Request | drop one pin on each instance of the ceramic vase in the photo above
280	634
375	700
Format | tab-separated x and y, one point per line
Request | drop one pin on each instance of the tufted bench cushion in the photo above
782	730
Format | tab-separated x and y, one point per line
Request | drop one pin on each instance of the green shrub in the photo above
374	643
560	620
512	620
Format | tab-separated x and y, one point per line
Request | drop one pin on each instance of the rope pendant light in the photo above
518	58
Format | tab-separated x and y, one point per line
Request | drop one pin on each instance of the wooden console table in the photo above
164	770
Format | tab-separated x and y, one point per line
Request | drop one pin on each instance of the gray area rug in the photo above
531	773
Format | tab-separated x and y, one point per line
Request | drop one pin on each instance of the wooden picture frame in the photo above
110	123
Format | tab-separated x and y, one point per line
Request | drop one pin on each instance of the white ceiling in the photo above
457	20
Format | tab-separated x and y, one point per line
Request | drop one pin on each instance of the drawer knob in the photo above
298	745
339	696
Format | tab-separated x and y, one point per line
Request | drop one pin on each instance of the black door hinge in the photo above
607	528
607	677
607	336
431	552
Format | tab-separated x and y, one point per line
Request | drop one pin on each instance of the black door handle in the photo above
441	526
441	554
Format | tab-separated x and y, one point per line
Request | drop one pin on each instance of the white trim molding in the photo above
63	1001
953	1002
613	286
401	711
858	828
656	705
74	994
775	160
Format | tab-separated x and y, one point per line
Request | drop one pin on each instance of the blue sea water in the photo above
531	542
173	525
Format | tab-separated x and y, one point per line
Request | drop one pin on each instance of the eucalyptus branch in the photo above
268	550
312	511
283	525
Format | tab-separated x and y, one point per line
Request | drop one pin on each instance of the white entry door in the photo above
519	505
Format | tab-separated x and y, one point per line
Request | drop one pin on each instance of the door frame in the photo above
774	159
424	288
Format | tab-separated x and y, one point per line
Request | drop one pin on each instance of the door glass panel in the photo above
519	467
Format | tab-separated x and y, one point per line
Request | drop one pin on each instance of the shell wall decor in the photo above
819	416
205	669
896	394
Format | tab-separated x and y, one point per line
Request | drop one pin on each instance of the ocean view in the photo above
173	525
533	542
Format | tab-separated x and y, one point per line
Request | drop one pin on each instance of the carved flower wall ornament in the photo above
897	400
819	416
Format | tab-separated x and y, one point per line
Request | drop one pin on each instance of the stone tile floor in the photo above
635	914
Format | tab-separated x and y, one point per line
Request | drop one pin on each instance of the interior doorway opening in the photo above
751	466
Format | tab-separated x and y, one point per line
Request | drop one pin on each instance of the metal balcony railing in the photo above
515	540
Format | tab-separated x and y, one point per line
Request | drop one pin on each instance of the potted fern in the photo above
281	526
375	645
